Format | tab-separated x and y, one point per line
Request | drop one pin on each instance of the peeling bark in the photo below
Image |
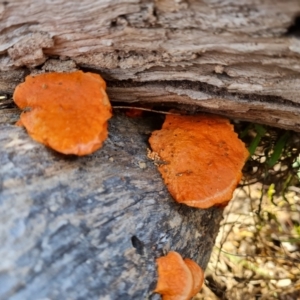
239	50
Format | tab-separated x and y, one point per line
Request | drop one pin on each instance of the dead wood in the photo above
239	59
90	228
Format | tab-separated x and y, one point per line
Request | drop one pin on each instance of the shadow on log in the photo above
91	227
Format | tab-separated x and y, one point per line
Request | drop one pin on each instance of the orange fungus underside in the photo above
202	158
65	111
178	279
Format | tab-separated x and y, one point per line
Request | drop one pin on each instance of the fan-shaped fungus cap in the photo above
178	279
197	274
202	156
65	111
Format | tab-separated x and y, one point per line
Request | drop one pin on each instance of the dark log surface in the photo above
90	227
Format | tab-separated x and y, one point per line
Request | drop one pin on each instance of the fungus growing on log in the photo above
201	158
65	111
197	274
178	279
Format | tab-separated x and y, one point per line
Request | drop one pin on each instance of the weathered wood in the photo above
236	52
233	58
90	227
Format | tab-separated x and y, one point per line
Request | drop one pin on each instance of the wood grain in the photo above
241	52
91	227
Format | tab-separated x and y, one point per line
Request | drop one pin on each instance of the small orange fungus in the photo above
134	113
202	158
178	279
65	111
197	274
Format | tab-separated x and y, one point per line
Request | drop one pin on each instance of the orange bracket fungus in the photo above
65	111
178	279
201	158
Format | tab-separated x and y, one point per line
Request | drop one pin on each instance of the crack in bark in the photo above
209	89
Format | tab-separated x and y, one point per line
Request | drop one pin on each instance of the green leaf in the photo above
245	132
279	146
260	132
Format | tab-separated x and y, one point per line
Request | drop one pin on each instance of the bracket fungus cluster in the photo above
201	158
65	111
178	279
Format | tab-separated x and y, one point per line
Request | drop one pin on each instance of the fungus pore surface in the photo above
201	158
178	279
65	111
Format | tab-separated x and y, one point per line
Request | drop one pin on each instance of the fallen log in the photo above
91	227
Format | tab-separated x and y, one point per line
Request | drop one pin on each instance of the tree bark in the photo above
234	58
91	227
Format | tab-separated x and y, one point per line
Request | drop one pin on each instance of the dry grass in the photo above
256	258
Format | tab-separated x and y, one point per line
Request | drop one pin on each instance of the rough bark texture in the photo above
230	57
90	227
